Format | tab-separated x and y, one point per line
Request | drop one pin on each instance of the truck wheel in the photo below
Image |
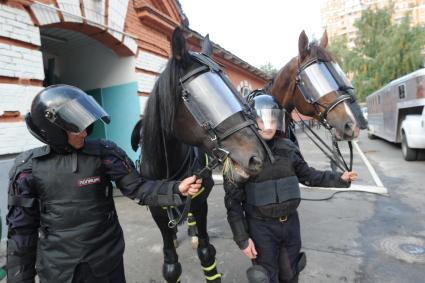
409	154
371	136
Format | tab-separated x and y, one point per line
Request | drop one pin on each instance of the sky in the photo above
257	31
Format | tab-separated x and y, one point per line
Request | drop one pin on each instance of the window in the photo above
244	88
402	91
245	91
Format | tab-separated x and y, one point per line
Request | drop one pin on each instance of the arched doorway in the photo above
75	58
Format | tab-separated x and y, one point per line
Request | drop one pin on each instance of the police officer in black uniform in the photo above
262	212
62	220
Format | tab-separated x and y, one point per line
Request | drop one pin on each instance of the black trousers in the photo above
83	274
278	245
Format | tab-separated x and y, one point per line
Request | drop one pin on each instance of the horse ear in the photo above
324	40
178	44
303	45
207	47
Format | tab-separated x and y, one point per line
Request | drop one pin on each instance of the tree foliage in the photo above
383	50
269	69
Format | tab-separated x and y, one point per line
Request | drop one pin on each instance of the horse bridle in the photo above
218	153
343	91
344	94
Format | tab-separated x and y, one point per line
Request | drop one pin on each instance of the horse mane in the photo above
159	120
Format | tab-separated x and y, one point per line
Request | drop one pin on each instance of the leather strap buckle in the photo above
283	218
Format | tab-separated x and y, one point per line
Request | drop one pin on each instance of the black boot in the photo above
206	254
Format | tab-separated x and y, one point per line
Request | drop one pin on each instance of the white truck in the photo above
413	135
396	113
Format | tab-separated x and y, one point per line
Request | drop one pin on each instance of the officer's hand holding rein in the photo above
190	186
349	176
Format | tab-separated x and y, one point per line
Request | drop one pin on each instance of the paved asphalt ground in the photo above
354	237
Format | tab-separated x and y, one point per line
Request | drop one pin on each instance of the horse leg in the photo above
171	268
206	251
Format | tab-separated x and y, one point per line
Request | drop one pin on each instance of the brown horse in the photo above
314	68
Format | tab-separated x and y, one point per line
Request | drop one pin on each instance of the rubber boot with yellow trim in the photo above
206	254
171	269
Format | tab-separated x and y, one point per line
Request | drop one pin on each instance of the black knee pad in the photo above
257	274
299	266
206	254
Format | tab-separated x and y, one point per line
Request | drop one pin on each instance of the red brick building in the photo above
112	49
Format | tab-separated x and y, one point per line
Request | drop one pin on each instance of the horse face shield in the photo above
211	100
316	79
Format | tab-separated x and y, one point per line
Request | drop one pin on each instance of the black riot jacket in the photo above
275	191
77	216
63	204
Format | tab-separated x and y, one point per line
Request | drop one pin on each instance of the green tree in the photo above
269	69
383	50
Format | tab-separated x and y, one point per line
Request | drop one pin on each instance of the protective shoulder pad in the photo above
24	160
101	147
286	144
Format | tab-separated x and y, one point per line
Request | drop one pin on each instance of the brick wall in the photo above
140	29
21	74
17	24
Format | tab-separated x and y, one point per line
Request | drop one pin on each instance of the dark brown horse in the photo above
335	107
193	109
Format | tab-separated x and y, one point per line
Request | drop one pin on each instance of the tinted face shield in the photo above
77	114
316	79
271	119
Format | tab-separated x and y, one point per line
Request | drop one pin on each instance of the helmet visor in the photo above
271	119
77	114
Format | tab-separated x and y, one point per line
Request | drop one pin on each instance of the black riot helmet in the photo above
59	109
268	110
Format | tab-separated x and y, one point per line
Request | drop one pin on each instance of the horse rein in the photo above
219	156
338	158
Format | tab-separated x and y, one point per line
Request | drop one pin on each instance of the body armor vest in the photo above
78	218
275	191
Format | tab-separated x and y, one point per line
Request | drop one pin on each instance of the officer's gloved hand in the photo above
190	186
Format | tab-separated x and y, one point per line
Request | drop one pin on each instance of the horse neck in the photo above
175	154
284	85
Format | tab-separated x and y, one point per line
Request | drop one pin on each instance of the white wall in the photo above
14	136
95	66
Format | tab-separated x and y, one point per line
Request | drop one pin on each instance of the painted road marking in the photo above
372	171
353	187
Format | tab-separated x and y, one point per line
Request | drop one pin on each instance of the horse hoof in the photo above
194	243
176	243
